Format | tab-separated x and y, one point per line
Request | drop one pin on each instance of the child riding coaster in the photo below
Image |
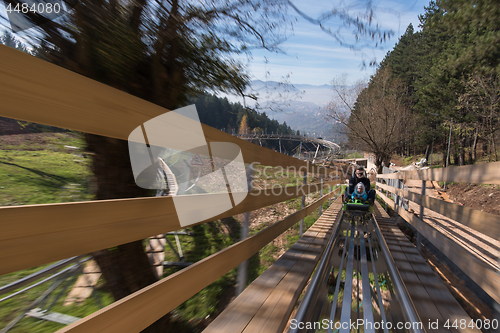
359	193
359	178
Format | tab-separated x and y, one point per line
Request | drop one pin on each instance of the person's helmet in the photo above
360	188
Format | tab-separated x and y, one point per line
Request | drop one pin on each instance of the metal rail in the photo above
35	276
64	271
332	145
409	311
362	242
312	294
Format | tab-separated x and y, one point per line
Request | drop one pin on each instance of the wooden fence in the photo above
37	91
472	241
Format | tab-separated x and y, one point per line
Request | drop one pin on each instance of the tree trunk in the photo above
494	146
381	160
455	157
444	154
387	161
125	268
461	152
474	146
469	149
378	163
427	152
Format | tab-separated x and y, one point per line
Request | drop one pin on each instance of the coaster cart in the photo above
356	209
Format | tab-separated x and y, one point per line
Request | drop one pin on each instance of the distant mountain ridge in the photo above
276	91
302	106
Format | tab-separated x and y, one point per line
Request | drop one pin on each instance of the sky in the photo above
311	56
314	57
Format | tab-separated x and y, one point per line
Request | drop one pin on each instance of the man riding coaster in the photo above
359	176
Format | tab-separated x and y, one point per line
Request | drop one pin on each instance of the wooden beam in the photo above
59	231
41	92
485	276
278	288
140	309
427	291
488	224
484	173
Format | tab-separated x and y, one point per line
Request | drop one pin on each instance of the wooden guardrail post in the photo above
419	235
387	194
321	194
304	182
396	204
331	190
243	267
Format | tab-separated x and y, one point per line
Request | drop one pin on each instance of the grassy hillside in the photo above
39	168
43	168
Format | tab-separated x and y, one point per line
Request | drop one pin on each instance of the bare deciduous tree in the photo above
374	115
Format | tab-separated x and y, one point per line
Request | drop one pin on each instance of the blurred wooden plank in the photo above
279	287
155	250
38	91
64	230
484	275
488	224
52	316
484	173
140	309
432	300
243	308
85	284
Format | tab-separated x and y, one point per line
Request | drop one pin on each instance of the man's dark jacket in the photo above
353	181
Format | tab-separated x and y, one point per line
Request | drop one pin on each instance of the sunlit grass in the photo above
51	173
39	172
43	176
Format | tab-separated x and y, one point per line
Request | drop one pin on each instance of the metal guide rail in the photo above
356	286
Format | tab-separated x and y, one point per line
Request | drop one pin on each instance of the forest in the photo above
234	118
440	82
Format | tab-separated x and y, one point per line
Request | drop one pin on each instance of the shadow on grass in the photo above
38	172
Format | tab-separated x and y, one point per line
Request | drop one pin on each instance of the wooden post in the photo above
331	190
321	194
396	204
304	182
419	235
243	267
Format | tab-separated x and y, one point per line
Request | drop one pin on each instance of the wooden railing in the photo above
37	91
479	261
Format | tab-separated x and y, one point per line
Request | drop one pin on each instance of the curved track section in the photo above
332	146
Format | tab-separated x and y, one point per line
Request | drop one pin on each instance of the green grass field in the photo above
43	169
34	175
37	171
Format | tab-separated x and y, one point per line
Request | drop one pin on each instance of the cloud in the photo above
315	75
314	57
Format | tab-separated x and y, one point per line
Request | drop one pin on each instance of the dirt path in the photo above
485	198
